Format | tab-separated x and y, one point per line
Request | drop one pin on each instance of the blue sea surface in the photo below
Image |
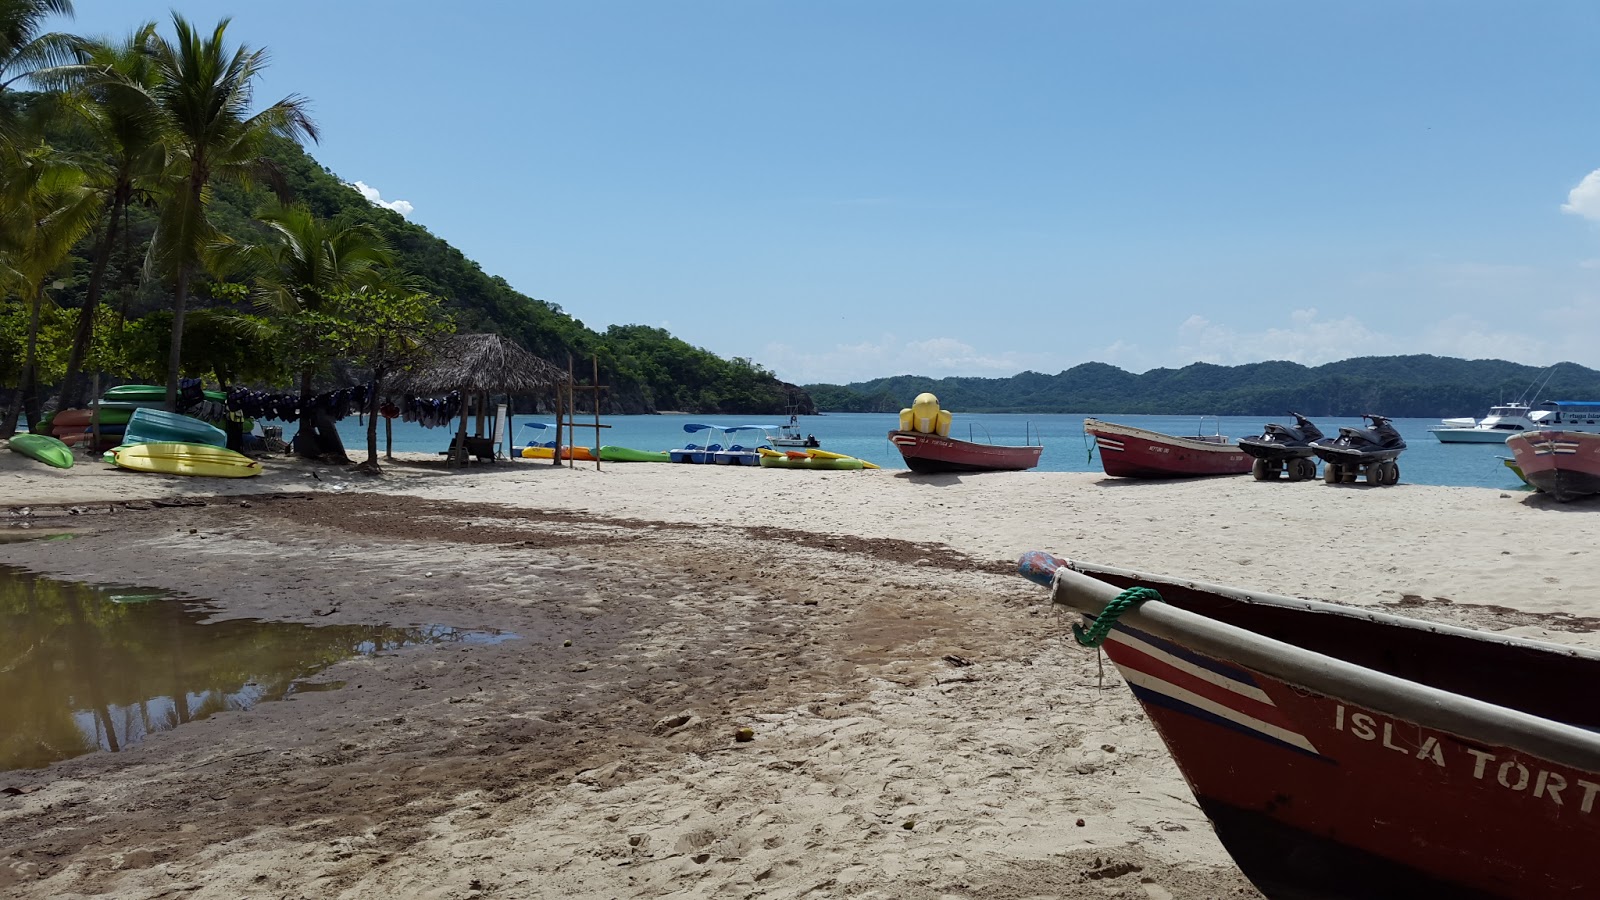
1066	447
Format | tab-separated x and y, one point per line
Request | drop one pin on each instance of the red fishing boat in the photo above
1341	752
1563	464
927	453
1129	452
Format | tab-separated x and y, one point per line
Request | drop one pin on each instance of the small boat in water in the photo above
1563	464
1284	448
1343	753
1371	452
1129	452
1502	422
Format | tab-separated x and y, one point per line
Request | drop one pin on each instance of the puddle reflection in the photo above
86	668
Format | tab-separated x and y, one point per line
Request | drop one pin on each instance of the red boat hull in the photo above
928	453
1320	796
1128	452
1563	464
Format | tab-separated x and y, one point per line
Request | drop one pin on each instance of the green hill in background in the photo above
1398	386
645	369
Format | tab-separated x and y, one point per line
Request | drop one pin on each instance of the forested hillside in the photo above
1399	386
645	369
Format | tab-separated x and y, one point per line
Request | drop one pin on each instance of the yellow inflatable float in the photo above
925	416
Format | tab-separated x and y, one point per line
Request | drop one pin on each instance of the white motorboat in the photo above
1502	422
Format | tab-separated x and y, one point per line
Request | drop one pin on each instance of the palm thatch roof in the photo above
480	362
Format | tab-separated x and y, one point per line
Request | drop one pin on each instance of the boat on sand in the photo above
1563	464
1341	752
924	442
1130	452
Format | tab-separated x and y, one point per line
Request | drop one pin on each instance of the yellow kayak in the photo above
823	454
174	458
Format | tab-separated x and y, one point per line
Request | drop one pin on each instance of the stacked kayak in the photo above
578	453
181	458
159	426
44	448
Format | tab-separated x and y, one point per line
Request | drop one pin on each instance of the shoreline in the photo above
661	608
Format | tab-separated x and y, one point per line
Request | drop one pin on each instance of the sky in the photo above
841	190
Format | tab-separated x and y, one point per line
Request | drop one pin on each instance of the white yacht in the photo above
1502	422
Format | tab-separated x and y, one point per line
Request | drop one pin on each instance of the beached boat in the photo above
1129	452
42	447
1510	462
1563	464
1341	752
928	453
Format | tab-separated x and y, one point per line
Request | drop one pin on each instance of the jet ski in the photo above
1368	451
1284	448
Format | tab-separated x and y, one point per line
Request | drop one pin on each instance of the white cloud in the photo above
1308	339
403	207
890	355
1584	200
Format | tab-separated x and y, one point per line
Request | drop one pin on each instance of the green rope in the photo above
1095	634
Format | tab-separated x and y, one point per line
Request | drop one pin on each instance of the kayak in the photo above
579	453
610	453
824	454
159	426
44	448
846	463
150	392
180	458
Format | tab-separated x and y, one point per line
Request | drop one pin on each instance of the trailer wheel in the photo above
1291	468
1391	473
1331	474
1308	468
1258	469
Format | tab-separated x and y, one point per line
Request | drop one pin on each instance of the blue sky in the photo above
846	190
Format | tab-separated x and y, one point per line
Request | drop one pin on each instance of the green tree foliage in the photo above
1402	386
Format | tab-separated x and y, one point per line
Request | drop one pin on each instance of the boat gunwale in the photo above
1458	714
1090	425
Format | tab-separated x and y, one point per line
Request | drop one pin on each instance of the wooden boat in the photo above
1341	752
1129	452
1563	464
928	453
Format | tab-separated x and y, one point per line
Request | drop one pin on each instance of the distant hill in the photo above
1399	386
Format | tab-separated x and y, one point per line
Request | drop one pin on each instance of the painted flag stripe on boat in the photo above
1545	448
1209	689
1105	443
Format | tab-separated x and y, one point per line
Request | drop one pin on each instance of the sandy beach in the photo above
920	723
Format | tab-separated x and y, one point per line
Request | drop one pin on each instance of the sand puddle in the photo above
86	668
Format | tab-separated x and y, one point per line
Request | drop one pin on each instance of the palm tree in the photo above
114	83
307	261
46	205
23	49
203	93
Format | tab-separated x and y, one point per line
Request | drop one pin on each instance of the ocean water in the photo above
1066	447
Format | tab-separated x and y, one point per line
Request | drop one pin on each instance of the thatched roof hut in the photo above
481	363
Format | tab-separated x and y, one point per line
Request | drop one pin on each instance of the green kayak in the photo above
137	393
609	453
44	448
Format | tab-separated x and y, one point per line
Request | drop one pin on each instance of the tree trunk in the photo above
72	394
28	384
175	358
372	419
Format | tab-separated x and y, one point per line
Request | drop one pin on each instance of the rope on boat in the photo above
1095	634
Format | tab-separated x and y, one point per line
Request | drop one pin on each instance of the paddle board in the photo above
178	458
46	449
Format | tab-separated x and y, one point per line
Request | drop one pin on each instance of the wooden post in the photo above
595	396
460	456
388	438
511	433
555	458
94	420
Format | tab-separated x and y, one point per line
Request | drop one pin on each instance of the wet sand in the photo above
922	725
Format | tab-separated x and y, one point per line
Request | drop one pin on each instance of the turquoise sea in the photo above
1425	461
